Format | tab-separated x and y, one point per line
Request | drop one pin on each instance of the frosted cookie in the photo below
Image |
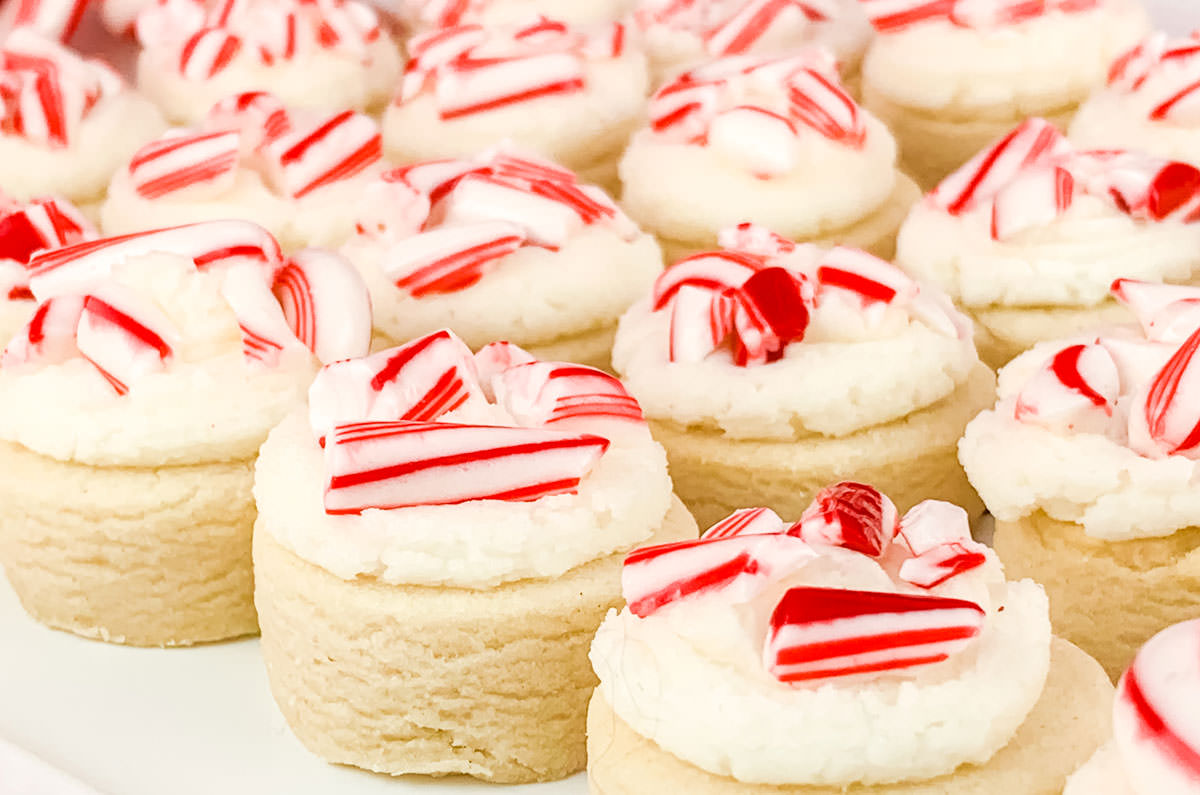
1155	748
298	173
1149	102
680	34
949	77
500	246
132	407
768	369
1089	461
570	95
1030	233
27	229
850	652
473	512
421	16
774	141
66	122
54	19
328	55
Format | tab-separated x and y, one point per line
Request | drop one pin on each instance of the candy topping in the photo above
449	223
824	633
754	110
1032	176
207	36
123	337
28	229
1075	390
733	27
851	515
1167	312
46	91
401	464
1164	71
895	15
326	304
54	19
1165	416
764	295
1154	715
294	153
746	522
470	70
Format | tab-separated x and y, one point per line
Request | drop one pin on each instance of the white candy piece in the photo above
746	522
124	337
49	336
265	330
1074	391
1164	416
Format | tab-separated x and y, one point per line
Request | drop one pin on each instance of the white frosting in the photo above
324	217
1103	774
476	544
207	405
116	127
1091	479
675	42
1071	261
322	78
854	385
687	192
1042	64
13	317
691	678
574	129
532	296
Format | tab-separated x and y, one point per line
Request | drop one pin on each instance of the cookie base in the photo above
438	681
1070	721
875	233
1107	597
910	459
143	557
932	146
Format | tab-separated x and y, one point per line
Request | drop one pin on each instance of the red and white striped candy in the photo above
994	13
700	321
441	13
746	522
941	564
739	567
494	358
434	178
207	244
1151	188
322	152
402	464
258	117
755	20
56	19
47	90
196	162
451	258
827	633
750	238
41	224
893	15
391	209
714	271
124	338
1156	724
49	336
817	99
1034	198
850	515
1132	67
1033	142
682	109
265	331
207	53
326	304
1167	312
427	52
1164	418
546	220
546	393
771	310
468	87
932	523
14	282
864	275
1076	390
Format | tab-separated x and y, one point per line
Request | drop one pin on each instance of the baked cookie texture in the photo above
1108	597
1003	333
1069	722
140	556
715	475
434	680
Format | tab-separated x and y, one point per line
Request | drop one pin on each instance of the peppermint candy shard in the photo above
931	524
1165	417
1034	198
187	161
1033	142
265	330
934	567
545	393
715	271
1076	390
850	515
873	280
258	117
894	15
746	522
771	310
400	464
1155	725
820	102
739	567
829	633
123	338
451	258
42	224
323	152
326	304
49	336
494	358
750	22
1166	312
700	322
